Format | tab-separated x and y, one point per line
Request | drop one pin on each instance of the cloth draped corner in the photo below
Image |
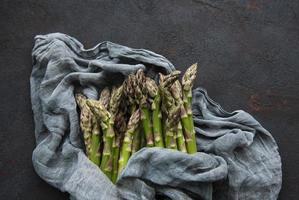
238	158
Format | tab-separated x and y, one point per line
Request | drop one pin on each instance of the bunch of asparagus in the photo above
139	113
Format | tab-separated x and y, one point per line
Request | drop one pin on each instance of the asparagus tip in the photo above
134	120
189	77
116	96
105	97
168	80
152	87
80	99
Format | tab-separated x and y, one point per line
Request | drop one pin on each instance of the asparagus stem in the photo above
187	96
180	139
164	119
170	110
85	122
146	123
120	125
171	127
142	138
111	146
176	91
170	141
155	99
108	169
189	134
126	148
116	150
136	140
125	152
95	142
157	124
187	83
106	164
141	96
108	132
87	133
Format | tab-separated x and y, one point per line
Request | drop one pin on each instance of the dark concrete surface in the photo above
248	52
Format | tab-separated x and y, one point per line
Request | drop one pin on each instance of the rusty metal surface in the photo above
247	50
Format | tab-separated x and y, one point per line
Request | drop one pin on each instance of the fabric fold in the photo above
251	153
168	169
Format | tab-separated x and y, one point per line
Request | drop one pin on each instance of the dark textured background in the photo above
248	53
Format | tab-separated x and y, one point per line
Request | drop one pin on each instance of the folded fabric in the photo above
238	158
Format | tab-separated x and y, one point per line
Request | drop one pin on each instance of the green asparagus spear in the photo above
176	91
116	152
142	137
168	107
126	148
141	96
105	97
171	127
108	134
104	100
116	98
153	92
165	83
187	83
129	93
95	142
85	122
92	128
181	139
136	144
120	125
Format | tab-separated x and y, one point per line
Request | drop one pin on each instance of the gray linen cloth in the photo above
238	158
